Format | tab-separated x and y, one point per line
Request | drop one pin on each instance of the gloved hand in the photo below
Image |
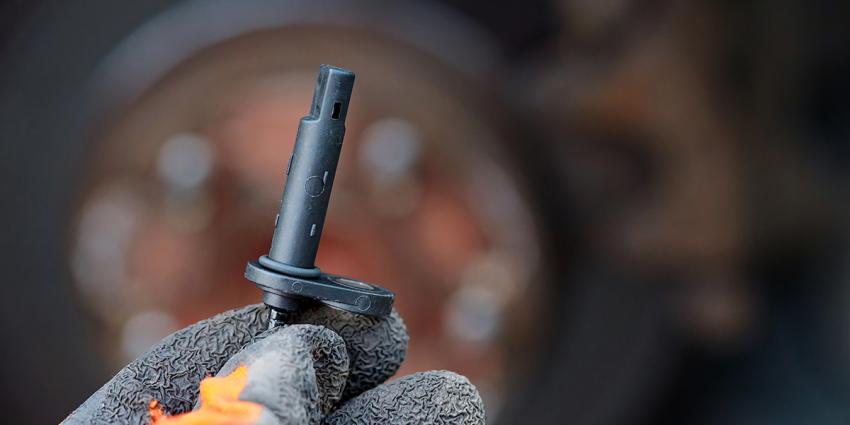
327	366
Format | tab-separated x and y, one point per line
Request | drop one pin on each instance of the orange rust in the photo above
220	404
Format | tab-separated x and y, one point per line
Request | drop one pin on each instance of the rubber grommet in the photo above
287	269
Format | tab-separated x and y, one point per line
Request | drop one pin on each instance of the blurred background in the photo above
601	212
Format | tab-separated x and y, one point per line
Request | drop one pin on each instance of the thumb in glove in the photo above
295	375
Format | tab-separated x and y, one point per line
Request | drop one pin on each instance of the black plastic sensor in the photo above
288	275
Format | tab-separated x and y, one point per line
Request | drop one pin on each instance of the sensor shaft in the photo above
310	176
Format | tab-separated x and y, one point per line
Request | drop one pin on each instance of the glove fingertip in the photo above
376	345
425	397
294	368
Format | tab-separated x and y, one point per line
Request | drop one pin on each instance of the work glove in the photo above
326	366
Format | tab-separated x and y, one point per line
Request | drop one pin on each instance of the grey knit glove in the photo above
327	367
